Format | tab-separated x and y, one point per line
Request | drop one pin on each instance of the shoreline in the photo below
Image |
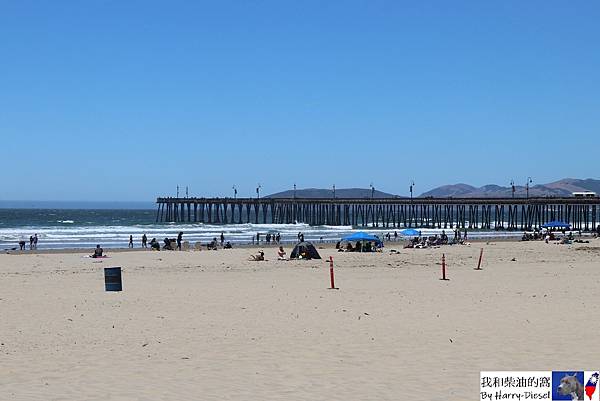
287	244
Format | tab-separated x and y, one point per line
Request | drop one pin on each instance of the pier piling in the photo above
389	213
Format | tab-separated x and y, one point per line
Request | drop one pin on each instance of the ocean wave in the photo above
117	236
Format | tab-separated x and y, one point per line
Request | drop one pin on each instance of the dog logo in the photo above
568	386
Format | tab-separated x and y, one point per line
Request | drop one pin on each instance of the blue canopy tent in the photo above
363	237
411	232
557	225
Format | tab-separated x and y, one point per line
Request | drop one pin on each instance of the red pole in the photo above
444	267
331	273
480	257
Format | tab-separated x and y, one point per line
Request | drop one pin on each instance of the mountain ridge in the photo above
560	188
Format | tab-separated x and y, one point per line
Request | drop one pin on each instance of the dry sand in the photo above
211	325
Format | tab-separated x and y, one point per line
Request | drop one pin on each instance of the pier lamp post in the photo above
294	190
187	195
333	191
529	181
234	192
412	184
178	191
372	190
512	185
258	191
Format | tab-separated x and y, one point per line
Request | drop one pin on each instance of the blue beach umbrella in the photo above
362	236
556	224
410	232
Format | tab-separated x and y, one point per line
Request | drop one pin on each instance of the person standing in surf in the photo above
144	241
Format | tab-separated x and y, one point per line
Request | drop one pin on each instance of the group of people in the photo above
426	241
534	236
260	256
144	241
33	242
214	244
548	236
437	240
366	246
168	243
275	238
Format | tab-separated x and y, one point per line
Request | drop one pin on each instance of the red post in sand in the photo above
331	273
480	257
443	267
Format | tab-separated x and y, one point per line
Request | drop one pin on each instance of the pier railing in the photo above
473	213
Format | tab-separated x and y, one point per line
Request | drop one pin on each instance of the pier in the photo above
471	213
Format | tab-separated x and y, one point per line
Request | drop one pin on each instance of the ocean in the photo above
59	228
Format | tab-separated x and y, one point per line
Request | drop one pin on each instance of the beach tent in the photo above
557	225
363	237
306	250
411	232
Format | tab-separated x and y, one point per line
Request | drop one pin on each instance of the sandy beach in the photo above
211	325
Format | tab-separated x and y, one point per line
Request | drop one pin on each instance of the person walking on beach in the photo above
31	242
130	241
35	241
179	237
222	238
144	241
395	235
257	238
465	237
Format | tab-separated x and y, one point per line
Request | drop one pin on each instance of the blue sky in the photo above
105	100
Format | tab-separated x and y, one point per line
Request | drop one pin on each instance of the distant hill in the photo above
312	193
564	187
456	190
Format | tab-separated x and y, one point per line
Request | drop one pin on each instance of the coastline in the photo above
286	244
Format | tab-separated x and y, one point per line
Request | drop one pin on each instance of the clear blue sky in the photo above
105	100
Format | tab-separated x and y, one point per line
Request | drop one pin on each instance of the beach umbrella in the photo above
557	224
411	232
363	237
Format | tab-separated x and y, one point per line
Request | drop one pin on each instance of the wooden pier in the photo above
472	213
